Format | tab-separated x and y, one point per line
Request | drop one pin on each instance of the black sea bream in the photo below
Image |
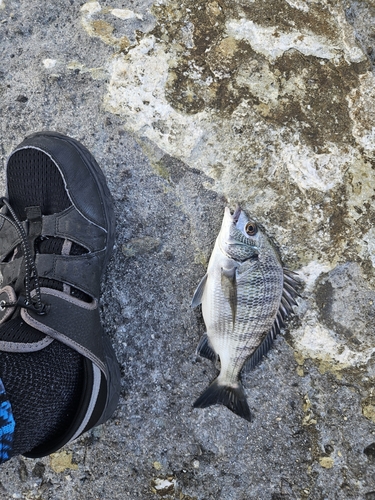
245	296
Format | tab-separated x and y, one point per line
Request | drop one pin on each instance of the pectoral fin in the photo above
229	288
198	294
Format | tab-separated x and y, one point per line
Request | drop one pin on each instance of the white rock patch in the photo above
125	14
272	43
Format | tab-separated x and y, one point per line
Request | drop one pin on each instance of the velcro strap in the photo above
72	322
9	239
81	271
71	225
34	217
10	270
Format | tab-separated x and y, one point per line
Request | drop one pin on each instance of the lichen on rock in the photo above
273	130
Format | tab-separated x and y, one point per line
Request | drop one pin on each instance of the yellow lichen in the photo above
101	28
369	411
326	462
298	356
61	461
300	371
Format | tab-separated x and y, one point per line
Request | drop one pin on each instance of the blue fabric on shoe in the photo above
7	425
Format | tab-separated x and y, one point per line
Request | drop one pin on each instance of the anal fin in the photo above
205	350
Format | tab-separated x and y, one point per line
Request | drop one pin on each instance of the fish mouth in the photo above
236	214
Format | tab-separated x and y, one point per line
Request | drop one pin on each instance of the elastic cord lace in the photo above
34	303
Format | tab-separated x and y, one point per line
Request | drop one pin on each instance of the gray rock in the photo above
140	246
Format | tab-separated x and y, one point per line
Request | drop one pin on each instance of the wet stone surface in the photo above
189	107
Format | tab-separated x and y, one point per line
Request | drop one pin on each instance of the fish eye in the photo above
251	228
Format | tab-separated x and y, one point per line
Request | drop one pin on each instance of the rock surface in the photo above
189	106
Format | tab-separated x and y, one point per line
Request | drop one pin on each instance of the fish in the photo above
246	296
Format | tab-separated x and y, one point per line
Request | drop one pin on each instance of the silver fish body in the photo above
245	296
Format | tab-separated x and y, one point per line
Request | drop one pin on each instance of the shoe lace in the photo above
35	303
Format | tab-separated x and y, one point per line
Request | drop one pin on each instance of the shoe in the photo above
57	230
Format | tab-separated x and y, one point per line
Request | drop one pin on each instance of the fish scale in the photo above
242	298
255	315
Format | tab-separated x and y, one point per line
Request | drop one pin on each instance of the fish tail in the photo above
233	398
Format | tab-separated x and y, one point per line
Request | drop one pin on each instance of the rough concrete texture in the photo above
188	106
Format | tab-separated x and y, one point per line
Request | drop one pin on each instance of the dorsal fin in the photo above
262	350
292	283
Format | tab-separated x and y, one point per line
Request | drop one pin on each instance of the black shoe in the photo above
57	229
